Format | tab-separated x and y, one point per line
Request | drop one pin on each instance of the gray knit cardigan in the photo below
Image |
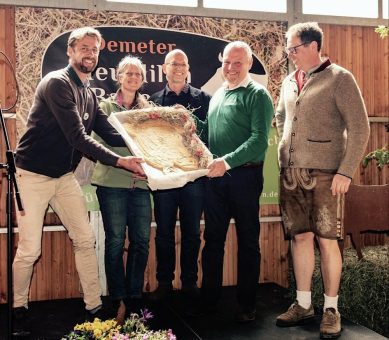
324	127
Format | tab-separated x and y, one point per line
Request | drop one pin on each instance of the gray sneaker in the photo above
296	315
330	326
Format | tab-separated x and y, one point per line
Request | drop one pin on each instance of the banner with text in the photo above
151	46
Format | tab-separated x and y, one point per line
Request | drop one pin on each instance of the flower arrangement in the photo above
134	328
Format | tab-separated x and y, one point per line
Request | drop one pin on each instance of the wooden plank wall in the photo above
7	45
356	48
361	51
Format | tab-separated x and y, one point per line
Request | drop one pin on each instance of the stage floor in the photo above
53	319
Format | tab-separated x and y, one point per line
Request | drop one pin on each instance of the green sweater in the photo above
109	176
238	124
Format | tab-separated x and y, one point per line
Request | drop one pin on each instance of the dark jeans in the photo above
190	202
236	195
121	208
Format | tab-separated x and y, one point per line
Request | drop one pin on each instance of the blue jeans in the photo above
236	194
121	208
190	202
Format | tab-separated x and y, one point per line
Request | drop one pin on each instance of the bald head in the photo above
173	53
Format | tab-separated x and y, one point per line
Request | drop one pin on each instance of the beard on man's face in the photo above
81	66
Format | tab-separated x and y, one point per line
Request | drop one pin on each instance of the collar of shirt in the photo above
243	83
76	79
318	68
118	98
301	77
184	90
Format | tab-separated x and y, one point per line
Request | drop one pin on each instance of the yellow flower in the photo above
97	333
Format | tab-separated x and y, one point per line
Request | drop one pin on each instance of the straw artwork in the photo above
166	137
37	27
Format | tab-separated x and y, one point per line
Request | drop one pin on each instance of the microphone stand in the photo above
12	188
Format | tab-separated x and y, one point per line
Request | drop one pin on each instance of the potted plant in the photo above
381	156
382	30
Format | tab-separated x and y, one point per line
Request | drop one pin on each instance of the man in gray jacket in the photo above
322	121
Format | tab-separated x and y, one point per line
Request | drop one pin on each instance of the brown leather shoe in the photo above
121	314
295	315
330	326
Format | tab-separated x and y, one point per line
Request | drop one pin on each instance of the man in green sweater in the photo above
238	124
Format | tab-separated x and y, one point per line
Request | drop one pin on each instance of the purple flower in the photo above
170	335
146	315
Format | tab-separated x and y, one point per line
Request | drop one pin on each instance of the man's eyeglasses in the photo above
176	65
293	49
